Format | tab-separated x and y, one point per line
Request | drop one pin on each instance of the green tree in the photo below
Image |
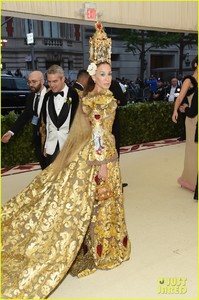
183	40
142	41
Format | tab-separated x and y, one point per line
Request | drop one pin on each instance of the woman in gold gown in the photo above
55	226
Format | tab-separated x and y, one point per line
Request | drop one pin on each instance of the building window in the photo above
63	30
40	28
29	26
70	32
29	65
70	65
51	29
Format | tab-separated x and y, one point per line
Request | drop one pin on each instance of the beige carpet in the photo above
162	220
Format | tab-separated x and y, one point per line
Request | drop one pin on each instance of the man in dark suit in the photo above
58	111
31	112
121	101
81	81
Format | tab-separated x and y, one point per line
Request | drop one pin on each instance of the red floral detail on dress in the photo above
100	146
96	179
97	117
99	151
99	25
99	249
125	241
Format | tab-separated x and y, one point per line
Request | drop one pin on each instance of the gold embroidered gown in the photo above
55	226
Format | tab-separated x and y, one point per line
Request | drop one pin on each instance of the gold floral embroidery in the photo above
46	227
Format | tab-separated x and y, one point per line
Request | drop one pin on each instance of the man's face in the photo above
35	83
56	82
174	82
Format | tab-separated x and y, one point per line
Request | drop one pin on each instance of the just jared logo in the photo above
172	285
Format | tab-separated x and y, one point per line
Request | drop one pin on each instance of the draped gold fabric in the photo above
55	226
149	15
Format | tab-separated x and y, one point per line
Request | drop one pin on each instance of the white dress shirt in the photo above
54	135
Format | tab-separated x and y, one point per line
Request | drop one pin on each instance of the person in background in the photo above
31	113
58	111
152	83
122	85
61	224
173	92
18	73
9	73
81	81
159	93
121	101
180	80
188	89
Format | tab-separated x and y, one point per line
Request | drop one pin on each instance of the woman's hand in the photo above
175	116
6	137
182	107
44	153
102	172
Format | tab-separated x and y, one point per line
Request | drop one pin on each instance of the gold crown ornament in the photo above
100	46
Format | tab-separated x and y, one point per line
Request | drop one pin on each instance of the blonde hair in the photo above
80	133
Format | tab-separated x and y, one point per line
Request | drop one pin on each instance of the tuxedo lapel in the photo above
78	86
58	120
52	111
63	115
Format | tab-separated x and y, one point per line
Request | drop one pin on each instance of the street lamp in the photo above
30	41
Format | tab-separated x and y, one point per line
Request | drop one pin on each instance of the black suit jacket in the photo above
25	117
78	86
41	128
121	99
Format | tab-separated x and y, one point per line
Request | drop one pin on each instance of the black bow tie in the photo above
58	93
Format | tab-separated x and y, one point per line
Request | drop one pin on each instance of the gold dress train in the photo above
55	226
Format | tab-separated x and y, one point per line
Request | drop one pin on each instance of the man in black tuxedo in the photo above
81	81
31	112
58	111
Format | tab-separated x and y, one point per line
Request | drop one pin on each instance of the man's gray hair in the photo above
55	69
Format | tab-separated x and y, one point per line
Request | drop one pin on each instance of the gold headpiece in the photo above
100	46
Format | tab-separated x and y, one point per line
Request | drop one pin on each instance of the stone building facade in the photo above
68	45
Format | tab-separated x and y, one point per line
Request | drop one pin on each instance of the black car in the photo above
14	93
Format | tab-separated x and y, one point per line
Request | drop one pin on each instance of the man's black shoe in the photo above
124	184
